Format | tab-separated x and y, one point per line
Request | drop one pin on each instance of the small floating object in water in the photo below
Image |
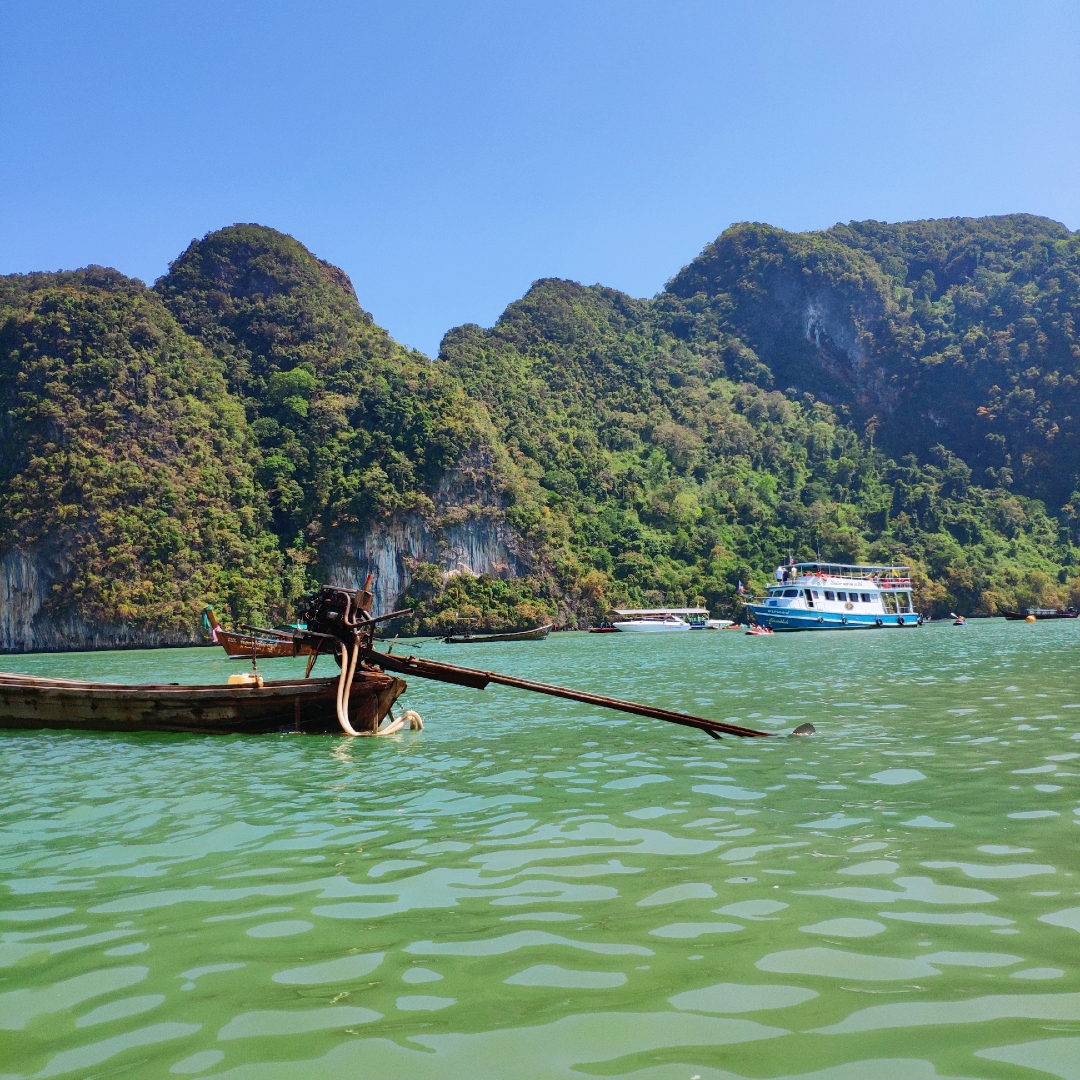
1031	618
759	631
805	729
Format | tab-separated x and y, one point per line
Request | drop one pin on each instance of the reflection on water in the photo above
531	888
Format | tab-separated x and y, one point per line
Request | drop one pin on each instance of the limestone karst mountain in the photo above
244	428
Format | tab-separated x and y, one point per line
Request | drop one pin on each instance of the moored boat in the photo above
536	634
245	645
653	620
832	596
307	706
357	701
1040	613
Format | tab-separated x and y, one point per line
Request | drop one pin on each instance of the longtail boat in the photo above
307	706
538	634
1039	614
245	645
357	702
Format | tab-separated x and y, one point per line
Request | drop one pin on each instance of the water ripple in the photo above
292	899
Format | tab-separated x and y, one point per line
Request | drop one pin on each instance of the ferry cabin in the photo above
830	596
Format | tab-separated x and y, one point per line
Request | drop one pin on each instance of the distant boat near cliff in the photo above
537	634
837	596
1039	614
653	620
246	645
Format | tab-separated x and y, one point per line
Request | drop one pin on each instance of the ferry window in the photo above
830	595
817	595
791	592
905	601
865	598
841	596
889	600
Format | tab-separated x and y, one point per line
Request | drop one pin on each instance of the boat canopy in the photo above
847	571
654	613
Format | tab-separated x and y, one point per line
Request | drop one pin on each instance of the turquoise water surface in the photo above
531	888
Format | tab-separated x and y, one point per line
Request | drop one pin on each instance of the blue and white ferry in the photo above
830	596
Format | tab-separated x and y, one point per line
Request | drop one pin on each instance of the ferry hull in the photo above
794	619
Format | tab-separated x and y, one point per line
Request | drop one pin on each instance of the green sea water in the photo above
532	889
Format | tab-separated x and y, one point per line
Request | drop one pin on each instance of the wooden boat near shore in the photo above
356	702
1040	613
538	634
246	645
305	706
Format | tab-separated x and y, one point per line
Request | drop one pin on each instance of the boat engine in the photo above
344	617
339	613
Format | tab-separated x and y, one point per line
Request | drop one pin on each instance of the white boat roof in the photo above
641	613
849	570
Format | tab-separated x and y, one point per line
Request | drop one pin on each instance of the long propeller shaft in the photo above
477	680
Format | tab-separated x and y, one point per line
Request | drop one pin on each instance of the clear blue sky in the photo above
448	154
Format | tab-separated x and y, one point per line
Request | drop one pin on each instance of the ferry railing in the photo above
817	582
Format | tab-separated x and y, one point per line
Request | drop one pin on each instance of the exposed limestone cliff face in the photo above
469	543
839	328
465	534
812	308
27	577
391	548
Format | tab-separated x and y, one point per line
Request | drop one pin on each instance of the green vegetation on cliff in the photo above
870	392
962	332
662	480
123	457
349	423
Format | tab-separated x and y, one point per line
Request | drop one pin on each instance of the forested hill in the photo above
870	392
349	424
961	332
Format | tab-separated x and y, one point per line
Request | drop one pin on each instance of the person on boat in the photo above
781	575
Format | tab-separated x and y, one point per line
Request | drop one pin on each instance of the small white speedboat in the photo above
651	624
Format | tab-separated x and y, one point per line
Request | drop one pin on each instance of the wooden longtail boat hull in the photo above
300	705
1039	614
538	634
239	645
